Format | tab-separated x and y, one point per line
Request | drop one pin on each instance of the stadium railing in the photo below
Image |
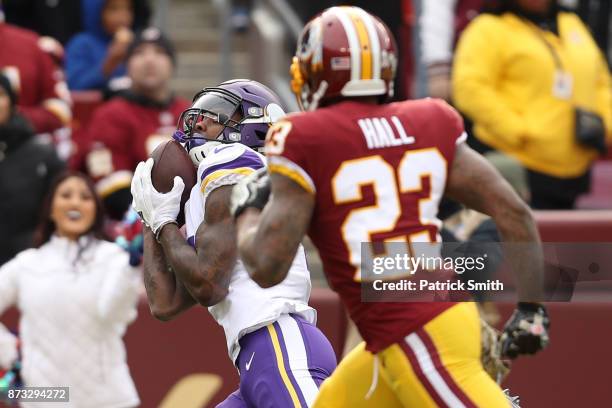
274	33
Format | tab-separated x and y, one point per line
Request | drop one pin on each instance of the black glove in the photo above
527	330
590	130
251	191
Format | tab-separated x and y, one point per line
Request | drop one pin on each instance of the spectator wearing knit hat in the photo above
126	129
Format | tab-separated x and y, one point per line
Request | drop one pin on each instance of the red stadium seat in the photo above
608	156
600	196
574	370
575	226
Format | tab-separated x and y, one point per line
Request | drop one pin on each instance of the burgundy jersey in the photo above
378	173
123	132
43	96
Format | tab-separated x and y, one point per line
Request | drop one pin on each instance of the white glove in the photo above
156	209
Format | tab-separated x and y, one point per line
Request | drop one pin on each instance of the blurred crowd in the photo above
104	46
531	78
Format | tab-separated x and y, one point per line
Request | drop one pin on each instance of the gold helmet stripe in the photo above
365	46
370	24
353	40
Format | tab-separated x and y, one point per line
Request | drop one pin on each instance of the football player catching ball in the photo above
271	335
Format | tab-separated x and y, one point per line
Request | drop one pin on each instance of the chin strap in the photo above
179	136
316	97
199	153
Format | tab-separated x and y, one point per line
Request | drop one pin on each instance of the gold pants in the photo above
435	366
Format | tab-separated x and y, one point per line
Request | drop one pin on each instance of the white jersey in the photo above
247	307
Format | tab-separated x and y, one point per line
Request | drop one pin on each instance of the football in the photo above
171	160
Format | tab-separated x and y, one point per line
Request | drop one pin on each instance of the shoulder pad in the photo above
230	157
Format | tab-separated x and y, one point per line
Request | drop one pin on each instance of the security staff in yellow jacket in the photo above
519	74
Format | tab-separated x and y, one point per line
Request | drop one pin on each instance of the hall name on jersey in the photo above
378	132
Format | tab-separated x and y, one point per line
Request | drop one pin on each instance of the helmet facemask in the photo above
306	65
221	106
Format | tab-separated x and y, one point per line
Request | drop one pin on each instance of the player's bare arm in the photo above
475	183
268	239
166	295
205	271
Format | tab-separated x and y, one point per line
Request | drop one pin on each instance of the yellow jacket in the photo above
503	78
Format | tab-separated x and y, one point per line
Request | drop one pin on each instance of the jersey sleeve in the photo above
55	93
118	291
109	161
54	110
450	130
451	122
286	154
226	164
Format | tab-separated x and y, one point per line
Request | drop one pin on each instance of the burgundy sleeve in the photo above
109	161
450	121
54	110
286	153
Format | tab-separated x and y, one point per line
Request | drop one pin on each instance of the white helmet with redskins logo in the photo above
343	52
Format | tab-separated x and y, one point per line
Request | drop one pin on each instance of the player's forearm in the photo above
181	257
199	280
246	228
523	249
165	296
475	183
259	255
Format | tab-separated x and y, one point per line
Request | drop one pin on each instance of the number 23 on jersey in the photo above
388	184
